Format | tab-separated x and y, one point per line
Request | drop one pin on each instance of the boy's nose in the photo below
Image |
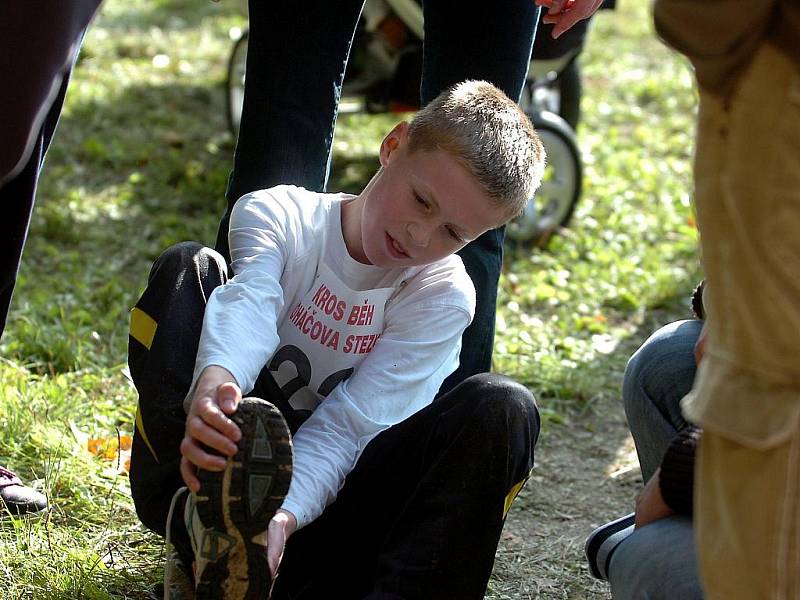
419	233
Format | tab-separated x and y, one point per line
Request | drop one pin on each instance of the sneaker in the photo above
603	541
17	498
227	519
178	584
178	579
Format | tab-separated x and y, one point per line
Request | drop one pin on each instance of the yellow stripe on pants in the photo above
143	330
511	495
143	327
140	429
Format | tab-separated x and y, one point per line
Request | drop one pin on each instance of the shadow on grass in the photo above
126	177
149	156
172	14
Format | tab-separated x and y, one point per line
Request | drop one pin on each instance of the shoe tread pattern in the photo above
260	473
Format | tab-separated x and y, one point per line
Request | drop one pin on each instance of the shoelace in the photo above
8	478
169	567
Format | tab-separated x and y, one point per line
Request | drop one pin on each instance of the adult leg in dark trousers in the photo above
39	42
419	516
35	65
297	53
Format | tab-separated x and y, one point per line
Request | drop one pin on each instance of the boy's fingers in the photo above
228	397
274	561
276	536
199	457
189	478
200	431
211	414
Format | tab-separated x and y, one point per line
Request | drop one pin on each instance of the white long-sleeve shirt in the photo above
301	304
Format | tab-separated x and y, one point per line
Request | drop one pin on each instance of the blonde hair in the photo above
481	127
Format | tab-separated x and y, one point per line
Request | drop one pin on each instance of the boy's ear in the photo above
396	138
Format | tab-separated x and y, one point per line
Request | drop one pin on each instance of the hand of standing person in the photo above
650	505
565	13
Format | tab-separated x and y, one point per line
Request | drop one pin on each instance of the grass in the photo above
140	161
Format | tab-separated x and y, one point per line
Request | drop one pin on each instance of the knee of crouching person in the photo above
502	404
184	256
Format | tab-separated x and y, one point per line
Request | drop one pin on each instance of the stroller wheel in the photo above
555	200
234	84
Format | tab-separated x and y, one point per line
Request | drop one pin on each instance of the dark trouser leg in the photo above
296	57
165	331
421	513
34	74
17	197
478	40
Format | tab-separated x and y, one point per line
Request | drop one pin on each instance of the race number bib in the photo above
324	337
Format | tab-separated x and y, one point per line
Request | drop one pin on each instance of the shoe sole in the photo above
238	503
602	542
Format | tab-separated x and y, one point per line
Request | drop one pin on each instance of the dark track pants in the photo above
39	42
421	513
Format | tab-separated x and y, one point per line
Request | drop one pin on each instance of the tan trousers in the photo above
747	393
748	508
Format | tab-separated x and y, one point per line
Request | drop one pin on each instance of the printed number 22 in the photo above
302	365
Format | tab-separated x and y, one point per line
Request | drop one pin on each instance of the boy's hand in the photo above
700	345
565	13
281	526
210	435
650	505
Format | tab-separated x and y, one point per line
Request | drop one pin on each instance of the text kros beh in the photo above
307	321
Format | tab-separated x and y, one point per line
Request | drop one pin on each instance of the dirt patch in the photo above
586	474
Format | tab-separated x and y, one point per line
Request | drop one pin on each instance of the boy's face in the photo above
420	207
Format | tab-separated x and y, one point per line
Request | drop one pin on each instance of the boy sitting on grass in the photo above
346	314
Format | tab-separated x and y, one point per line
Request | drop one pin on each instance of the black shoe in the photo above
603	541
17	498
227	519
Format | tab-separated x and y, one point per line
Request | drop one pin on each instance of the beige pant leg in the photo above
747	393
747	520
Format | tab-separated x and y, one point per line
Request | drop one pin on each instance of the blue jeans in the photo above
658	375
297	54
658	562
